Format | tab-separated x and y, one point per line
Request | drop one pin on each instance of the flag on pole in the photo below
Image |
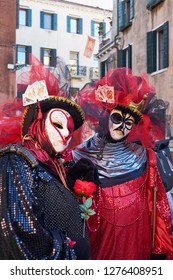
89	47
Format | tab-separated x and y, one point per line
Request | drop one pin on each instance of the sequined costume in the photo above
123	225
38	214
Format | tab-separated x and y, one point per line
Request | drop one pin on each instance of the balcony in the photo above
77	71
106	42
94	73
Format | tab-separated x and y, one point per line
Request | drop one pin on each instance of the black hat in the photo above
31	112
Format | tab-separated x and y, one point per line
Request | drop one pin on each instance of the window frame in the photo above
54	20
52	56
79	24
125	57
151	4
28	50
154	53
28	17
74	66
125	14
101	28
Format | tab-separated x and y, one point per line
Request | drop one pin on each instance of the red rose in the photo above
84	188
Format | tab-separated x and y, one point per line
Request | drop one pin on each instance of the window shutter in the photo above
166	44
102	69
151	51
131	9
152	3
17	53
28	51
41	19
104	28
42	55
92	28
80	26
120	58
17	14
53	58
68	24
121	15
130	56
54	21
149	2
29	21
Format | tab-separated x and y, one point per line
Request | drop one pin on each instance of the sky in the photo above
106	4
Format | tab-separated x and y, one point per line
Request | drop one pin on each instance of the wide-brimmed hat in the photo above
31	111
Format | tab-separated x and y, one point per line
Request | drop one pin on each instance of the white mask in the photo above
59	127
120	124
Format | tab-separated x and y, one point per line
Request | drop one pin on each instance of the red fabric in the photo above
38	72
123	225
163	236
39	143
10	122
146	127
121	228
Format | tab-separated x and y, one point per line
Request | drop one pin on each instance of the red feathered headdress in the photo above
16	119
121	89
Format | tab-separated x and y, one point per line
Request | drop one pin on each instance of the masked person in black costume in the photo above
40	216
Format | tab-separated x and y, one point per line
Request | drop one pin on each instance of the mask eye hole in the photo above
129	123
58	125
116	118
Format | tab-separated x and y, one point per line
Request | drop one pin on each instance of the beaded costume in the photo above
34	223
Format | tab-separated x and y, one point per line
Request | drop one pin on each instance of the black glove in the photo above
84	170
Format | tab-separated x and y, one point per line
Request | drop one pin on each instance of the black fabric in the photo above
84	170
107	182
38	214
165	163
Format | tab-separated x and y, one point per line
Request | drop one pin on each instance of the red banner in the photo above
89	47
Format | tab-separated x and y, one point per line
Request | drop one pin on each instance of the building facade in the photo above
56	31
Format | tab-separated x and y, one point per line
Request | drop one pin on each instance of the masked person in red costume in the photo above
133	219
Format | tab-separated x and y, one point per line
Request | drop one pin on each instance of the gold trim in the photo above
56	98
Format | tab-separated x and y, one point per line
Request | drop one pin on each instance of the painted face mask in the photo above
59	128
120	124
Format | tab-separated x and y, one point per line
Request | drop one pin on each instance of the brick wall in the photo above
7	48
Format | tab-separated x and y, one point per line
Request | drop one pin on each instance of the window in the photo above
158	48
98	28
74	63
25	17
94	71
75	69
152	3
73	90
125	13
125	57
22	54
48	57
95	62
48	21
74	25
